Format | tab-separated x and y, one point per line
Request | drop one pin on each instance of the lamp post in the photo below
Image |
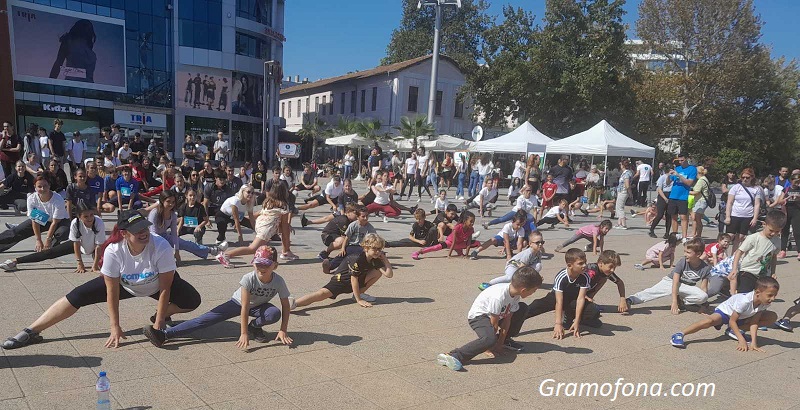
272	70
438	4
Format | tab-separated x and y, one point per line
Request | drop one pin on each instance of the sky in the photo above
330	38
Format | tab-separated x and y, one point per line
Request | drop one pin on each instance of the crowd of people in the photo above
156	206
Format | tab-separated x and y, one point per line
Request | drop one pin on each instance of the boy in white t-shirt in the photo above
512	234
555	215
490	317
743	309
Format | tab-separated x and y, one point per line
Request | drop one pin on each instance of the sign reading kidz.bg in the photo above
68	109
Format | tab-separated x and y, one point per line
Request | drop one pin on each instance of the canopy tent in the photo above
441	143
601	140
526	138
352	140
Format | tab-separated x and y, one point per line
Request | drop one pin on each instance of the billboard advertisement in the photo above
248	94
68	48
204	89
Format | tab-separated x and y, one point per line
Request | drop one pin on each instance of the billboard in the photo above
68	48
248	94
203	89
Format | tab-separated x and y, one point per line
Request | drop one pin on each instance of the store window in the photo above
259	11
246	141
200	24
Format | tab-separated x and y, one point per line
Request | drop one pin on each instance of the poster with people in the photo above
68	48
204	89
248	94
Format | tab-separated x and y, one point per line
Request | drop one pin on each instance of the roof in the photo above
358	75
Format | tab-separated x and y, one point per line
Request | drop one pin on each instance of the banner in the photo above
289	149
62	47
203	89
248	94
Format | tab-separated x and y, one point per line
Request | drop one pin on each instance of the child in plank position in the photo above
459	240
531	256
512	234
757	254
603	271
717	251
687	282
594	233
491	316
252	299
333	233
740	310
660	253
568	298
355	275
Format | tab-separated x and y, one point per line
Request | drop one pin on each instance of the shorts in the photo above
547	203
726	319
340	284
739	225
677	207
498	241
327	239
700	206
320	199
375	171
267	226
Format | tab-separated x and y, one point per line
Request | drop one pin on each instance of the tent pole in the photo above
605	174
652	174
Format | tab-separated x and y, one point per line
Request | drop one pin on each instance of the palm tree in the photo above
344	126
315	130
410	128
369	129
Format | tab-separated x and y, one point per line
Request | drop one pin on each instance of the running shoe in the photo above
729	333
473	255
415	256
483	286
511	344
223	259
288	257
784	324
639	266
677	340
8	265
303	221
451	362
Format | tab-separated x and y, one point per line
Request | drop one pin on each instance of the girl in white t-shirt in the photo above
441	202
46	210
238	210
86	232
134	264
555	215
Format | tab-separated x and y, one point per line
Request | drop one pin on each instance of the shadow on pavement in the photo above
52	360
382	300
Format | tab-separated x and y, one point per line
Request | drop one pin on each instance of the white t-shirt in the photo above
525	204
381	197
519	170
486	194
261	292
227	207
483	170
496	300
440	204
223	149
43	142
423	164
113	162
553	212
87	238
139	274
508	229
645	172
411	166
743	203
289	179
55	208
743	304
348	160
758	252
332	190
124	154
77	148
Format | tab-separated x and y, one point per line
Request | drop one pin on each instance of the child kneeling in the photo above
742	309
491	315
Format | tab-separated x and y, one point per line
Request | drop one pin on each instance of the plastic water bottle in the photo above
103	388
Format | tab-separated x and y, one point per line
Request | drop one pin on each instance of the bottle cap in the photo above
102	374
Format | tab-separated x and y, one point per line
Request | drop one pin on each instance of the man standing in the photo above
562	174
683	178
221	148
782	180
200	152
117	136
644	172
138	147
76	150
57	141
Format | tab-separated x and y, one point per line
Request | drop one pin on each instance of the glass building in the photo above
160	67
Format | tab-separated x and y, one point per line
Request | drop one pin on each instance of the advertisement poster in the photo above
289	150
204	89
248	94
68	48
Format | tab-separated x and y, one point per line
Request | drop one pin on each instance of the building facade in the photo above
384	93
160	67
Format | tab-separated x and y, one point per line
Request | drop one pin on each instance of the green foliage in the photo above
370	129
315	130
411	128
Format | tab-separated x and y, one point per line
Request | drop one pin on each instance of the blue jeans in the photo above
479	185
201	251
473	183
507	217
348	171
433	179
460	189
265	314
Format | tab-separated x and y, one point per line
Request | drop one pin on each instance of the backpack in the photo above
711	200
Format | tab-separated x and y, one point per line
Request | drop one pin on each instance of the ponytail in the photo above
116	237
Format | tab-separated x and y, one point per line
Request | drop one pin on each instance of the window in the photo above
363	100
459	107
341	105
330	107
438	107
199	24
259	11
290	110
316	104
247	45
324	104
352	102
374	98
413	94
308	104
283	109
298	108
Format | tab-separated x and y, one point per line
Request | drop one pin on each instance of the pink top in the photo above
461	234
660	248
589	231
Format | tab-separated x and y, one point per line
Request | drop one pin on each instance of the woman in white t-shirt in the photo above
44	143
383	190
526	202
519	168
134	264
623	191
86	232
46	210
411	165
237	209
349	160
743	207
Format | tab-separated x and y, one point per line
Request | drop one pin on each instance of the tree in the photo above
313	129
344	126
369	129
460	36
411	128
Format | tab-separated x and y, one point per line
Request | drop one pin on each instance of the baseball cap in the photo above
132	221
265	255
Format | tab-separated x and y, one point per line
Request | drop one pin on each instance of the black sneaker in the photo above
155	336
413	209
595	323
257	333
304	221
511	344
322	255
153	319
666	236
652	234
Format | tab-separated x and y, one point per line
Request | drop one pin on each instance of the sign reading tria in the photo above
67	109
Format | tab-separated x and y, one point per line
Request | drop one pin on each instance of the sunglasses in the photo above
746	177
539	243
194	175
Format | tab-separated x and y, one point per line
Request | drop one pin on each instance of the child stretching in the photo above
512	233
756	256
422	233
459	240
555	215
251	299
603	271
740	310
717	251
659	253
687	282
490	317
649	213
355	275
532	256
353	236
594	233
333	233
441	203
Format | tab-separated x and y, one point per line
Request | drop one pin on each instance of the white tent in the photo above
526	138
601	140
352	140
440	143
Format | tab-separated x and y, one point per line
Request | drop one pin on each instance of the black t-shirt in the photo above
11	142
151	173
76	195
369	197
18	183
58	139
61	182
596	277
792	197
106	143
421	231
189	146
258	179
180	196
207	177
235	183
570	288
351	198
561	177
441	217
216	196
308	179
140	146
196	211
337	225
356	265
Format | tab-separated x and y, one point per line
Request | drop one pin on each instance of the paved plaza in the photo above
349	357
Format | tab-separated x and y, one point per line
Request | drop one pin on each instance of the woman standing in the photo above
533	172
349	160
485	167
10	149
46	210
411	175
592	186
701	192
461	174
623	190
743	206
135	263
433	174
447	170
663	188
791	198
473	176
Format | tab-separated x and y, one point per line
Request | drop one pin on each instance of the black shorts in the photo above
738	225
745	282
327	238
303	188
320	199
340	284
677	207
181	293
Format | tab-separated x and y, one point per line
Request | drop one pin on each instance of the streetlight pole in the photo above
268	139
435	60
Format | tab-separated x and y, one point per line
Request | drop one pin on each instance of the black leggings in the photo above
14	198
661	209
411	180
24	230
793	222
590	315
181	293
223	220
62	249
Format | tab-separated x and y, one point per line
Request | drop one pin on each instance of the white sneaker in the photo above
223	246
385	220
475	235
639	266
366	297
419	199
8	265
292	303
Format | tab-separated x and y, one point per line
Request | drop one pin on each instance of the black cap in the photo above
681	154
132	221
